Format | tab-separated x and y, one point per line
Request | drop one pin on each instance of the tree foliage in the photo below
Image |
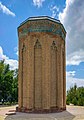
8	83
75	96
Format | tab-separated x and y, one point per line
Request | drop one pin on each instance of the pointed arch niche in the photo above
37	75
53	88
64	81
23	76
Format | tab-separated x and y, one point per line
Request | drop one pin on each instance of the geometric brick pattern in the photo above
42	78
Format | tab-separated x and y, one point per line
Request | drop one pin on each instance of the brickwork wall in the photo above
38	75
53	87
42	79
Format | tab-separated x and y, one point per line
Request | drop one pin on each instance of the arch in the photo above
38	75
23	80
64	79
53	82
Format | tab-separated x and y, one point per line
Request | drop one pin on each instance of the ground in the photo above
72	113
4	110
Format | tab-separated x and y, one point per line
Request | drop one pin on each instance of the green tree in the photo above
75	95
8	83
15	86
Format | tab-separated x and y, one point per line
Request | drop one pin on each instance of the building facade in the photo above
42	77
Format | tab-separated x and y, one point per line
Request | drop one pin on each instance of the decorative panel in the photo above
43	26
64	84
23	77
38	75
53	89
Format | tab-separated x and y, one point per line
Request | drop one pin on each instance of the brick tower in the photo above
42	78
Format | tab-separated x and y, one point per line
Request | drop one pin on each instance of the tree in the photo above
8	83
75	95
14	86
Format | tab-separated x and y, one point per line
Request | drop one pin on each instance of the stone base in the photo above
51	110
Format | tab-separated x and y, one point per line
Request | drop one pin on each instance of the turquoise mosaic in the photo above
43	27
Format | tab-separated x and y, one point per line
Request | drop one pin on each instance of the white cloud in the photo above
16	50
71	80
13	63
5	10
2	56
75	58
70	73
17	53
54	10
72	18
38	3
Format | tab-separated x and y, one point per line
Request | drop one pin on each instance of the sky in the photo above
71	15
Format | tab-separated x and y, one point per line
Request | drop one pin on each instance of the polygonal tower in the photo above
42	79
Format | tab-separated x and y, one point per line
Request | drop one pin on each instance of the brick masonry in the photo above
42	78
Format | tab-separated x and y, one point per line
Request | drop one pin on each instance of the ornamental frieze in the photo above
42	26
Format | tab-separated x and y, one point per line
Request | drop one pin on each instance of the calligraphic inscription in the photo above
55	29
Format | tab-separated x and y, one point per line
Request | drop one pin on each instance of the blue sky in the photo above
69	12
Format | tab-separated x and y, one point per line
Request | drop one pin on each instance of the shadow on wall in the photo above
65	115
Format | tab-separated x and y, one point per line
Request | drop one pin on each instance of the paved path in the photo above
51	116
4	110
72	113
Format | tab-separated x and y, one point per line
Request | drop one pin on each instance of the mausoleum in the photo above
42	73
